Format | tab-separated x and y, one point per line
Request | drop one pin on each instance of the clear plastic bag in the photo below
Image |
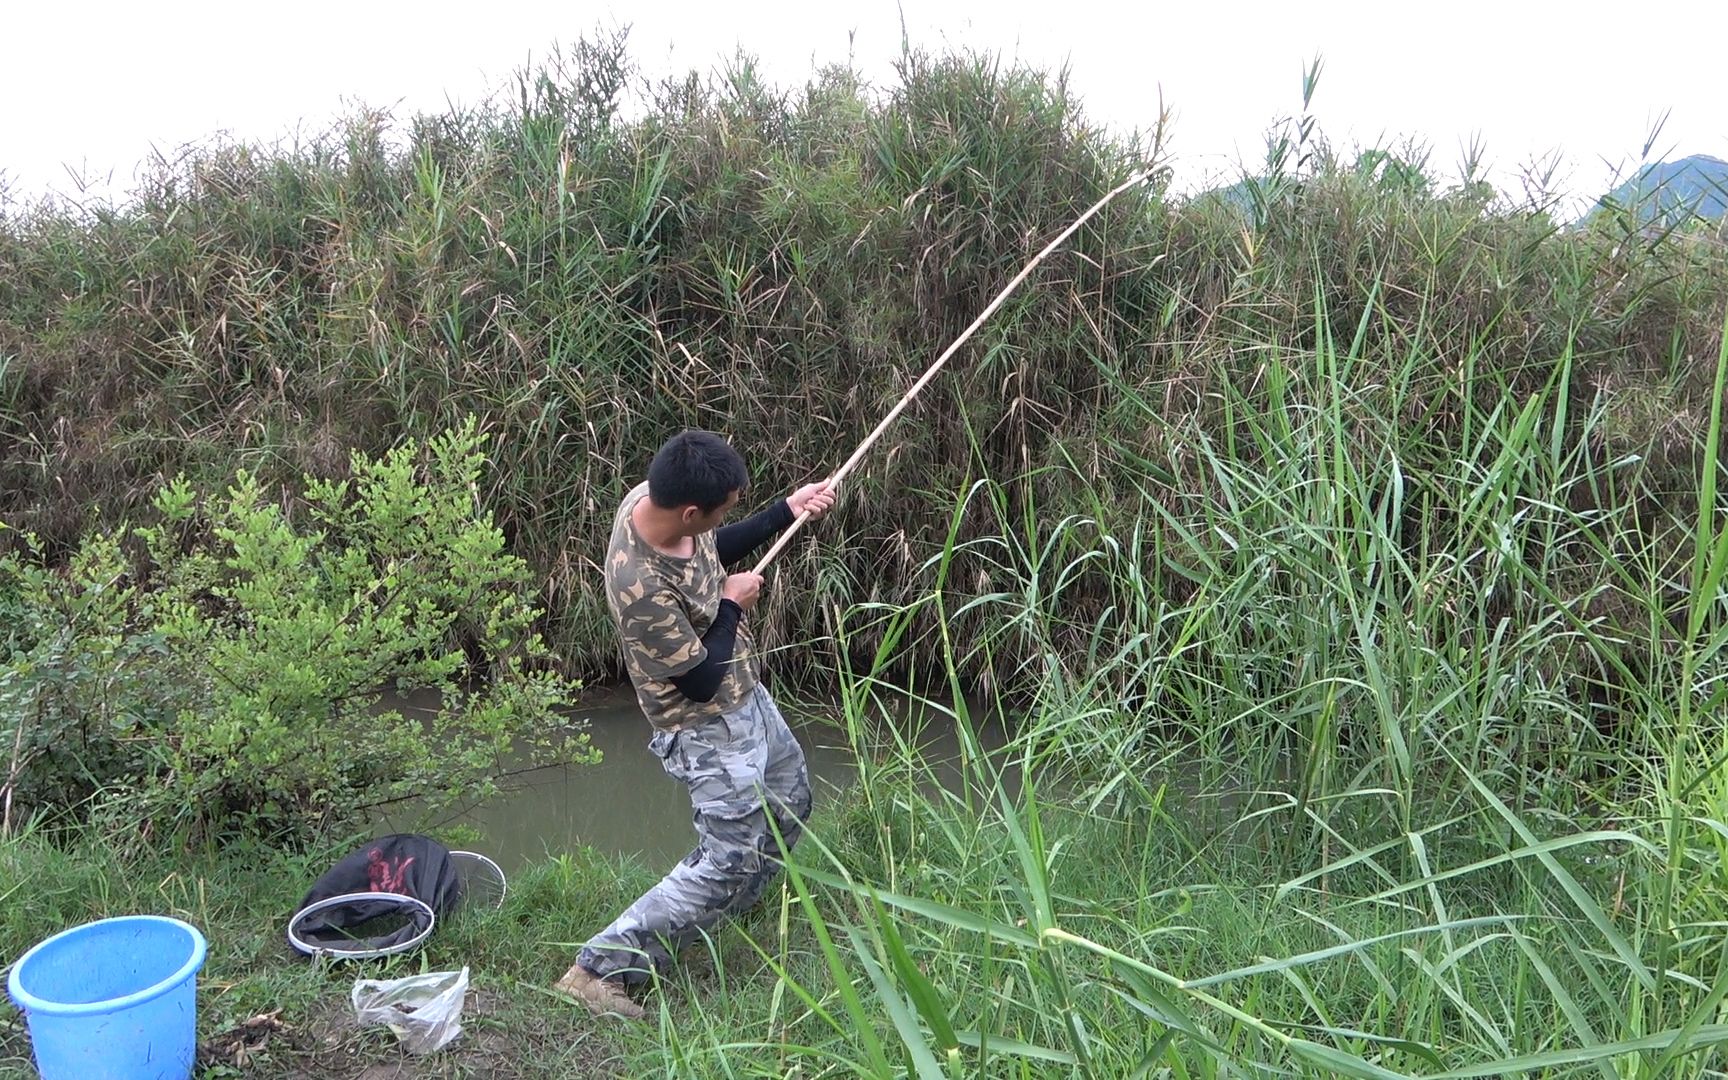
425	1011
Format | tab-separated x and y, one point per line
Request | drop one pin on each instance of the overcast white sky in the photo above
96	85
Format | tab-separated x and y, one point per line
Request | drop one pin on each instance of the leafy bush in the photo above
223	666
72	686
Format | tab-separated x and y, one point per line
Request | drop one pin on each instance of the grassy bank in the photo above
725	996
240	900
1180	915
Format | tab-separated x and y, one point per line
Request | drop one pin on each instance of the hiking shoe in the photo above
601	996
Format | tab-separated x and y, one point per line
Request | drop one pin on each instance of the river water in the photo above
628	806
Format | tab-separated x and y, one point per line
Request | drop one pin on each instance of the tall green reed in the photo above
1312	766
587	264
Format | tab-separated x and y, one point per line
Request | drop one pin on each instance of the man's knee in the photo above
734	841
800	802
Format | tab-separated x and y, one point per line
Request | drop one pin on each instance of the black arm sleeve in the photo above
702	682
739	539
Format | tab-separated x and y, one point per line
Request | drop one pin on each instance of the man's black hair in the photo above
695	468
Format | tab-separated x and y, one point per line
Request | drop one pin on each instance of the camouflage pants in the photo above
739	767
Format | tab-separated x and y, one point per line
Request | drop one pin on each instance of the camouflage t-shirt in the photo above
662	605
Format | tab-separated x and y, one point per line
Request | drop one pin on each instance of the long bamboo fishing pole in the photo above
930	373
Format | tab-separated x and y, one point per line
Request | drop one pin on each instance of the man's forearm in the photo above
736	541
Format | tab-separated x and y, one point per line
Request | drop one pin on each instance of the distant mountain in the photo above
1237	196
1661	194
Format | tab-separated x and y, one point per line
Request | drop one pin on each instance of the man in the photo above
688	649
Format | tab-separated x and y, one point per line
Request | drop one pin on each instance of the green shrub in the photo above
221	669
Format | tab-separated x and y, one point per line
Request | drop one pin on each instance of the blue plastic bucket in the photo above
113	999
